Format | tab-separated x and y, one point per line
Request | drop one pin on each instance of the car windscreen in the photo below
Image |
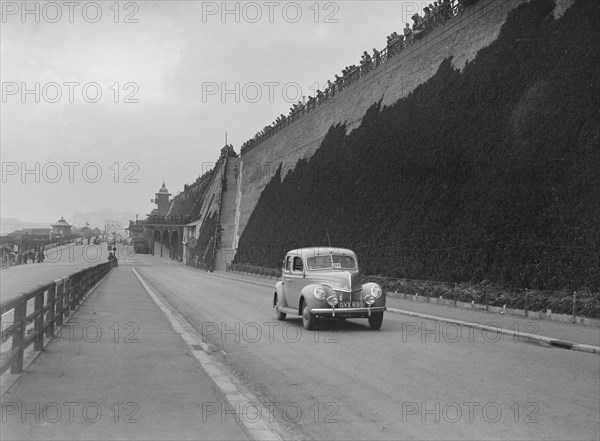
336	261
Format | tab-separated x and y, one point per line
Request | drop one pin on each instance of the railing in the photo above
582	304
252	270
52	303
354	73
153	220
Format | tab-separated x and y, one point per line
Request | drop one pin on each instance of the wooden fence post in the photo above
72	294
50	314
66	304
485	292
454	293
58	302
18	338
38	326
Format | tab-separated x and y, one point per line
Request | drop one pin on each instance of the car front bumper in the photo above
348	312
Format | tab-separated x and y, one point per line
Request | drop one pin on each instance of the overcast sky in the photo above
161	70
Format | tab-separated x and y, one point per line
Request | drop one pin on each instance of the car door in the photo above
294	281
299	278
288	282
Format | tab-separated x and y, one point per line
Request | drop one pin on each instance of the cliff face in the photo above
485	169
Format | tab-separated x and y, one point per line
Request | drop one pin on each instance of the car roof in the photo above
319	251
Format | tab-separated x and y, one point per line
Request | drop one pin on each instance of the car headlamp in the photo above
332	300
376	291
369	299
319	293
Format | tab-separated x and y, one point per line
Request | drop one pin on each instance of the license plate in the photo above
351	305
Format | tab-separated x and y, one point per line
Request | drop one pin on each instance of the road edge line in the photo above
215	371
555	342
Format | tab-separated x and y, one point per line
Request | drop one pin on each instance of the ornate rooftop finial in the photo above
163	189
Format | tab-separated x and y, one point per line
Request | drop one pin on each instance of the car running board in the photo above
288	310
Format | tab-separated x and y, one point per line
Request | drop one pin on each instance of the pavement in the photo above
117	370
569	336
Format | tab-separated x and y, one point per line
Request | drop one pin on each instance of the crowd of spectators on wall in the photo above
434	14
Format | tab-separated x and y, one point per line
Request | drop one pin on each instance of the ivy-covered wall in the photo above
486	173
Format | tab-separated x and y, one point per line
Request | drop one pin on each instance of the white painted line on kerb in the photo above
489	327
260	429
270	285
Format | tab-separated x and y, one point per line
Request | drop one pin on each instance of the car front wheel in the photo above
309	321
375	320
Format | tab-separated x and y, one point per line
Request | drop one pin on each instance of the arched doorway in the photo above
175	246
165	244
156	241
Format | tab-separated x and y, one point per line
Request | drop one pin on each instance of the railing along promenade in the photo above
52	304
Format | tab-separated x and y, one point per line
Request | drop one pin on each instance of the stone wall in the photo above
460	37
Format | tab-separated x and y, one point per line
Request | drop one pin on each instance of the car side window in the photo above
298	265
287	264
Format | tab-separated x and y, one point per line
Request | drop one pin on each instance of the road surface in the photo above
410	380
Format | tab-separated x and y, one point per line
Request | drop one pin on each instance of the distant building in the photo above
162	200
61	228
8	225
83	231
86	231
33	233
135	228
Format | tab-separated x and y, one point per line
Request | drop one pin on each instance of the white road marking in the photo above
547	340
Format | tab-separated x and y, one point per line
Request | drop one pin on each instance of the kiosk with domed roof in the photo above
61	228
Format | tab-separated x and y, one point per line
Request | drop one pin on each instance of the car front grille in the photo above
355	295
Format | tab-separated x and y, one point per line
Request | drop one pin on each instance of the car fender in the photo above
366	289
279	293
308	294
